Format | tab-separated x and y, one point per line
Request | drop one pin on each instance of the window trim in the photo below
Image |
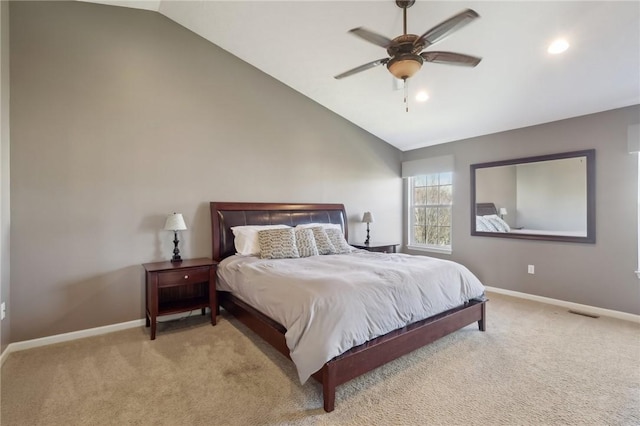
638	212
430	249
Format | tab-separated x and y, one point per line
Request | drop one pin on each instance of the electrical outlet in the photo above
531	269
3	310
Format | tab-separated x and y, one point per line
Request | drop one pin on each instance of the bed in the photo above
356	360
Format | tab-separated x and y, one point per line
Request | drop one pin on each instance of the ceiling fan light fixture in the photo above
405	66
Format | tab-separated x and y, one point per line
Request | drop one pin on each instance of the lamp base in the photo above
176	251
366	242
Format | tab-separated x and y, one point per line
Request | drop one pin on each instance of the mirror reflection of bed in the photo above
489	219
545	197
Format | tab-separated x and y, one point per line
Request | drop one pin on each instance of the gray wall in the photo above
600	274
4	170
120	116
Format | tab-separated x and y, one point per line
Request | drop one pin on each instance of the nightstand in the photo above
381	248
173	287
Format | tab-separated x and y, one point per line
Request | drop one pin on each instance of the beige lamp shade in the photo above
175	222
367	217
503	211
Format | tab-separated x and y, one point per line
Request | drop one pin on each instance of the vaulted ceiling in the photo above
304	44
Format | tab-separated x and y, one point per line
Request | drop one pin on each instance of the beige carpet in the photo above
536	364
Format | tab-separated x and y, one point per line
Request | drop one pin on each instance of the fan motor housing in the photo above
405	3
403	45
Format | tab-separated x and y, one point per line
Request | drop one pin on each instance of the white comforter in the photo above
329	304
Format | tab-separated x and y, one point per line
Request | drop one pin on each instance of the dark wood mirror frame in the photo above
590	155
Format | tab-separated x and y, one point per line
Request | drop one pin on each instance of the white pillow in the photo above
323	225
246	237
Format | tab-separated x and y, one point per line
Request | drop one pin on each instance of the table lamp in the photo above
367	217
175	223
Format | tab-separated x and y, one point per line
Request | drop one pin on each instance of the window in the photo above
430	202
638	270
633	137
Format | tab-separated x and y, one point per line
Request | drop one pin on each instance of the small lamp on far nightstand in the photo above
175	223
503	212
367	217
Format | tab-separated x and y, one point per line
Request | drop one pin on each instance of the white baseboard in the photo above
569	305
65	337
97	331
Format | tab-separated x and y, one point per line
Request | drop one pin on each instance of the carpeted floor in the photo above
536	365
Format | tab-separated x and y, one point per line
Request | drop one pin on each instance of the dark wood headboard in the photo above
483	209
226	215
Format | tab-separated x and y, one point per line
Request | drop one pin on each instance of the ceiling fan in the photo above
405	51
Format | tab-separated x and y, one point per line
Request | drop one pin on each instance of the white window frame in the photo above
633	140
638	211
411	220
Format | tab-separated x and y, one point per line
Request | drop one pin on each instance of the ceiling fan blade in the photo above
451	58
362	68
372	37
445	28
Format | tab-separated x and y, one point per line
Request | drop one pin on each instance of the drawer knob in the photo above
186	277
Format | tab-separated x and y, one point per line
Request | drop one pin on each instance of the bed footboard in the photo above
384	349
368	356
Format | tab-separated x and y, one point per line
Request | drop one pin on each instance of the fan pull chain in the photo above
406	94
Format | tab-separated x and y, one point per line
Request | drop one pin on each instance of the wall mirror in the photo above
548	197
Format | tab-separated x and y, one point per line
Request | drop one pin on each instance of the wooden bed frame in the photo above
358	360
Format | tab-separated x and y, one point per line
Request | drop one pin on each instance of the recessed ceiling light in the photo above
558	46
422	96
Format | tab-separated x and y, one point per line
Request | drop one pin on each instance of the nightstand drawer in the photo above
183	276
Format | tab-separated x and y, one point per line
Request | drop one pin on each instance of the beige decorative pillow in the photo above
305	242
337	239
277	244
322	241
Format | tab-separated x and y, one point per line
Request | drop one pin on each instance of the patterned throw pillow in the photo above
305	242
277	244
483	225
246	237
337	239
322	241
